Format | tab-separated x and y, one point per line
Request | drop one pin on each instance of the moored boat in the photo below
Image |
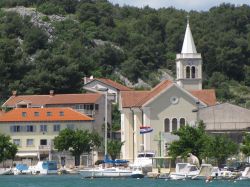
205	171
144	160
44	168
21	169
245	174
100	172
137	172
184	171
6	171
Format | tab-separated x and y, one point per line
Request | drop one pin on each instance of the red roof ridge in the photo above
114	84
68	115
156	90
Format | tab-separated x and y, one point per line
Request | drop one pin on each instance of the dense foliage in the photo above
8	150
114	148
77	142
191	140
199	143
138	42
216	144
245	147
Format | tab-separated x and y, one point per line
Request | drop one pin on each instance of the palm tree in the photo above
114	148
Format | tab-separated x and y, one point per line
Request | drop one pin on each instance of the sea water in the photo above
77	181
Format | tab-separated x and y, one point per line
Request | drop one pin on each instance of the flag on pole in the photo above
145	129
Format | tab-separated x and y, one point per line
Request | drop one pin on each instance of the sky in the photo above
198	5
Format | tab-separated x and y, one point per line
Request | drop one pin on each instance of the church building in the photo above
166	107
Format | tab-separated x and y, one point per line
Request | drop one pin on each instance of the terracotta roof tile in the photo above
74	98
156	90
67	114
207	96
41	100
131	98
35	100
2	112
138	98
114	84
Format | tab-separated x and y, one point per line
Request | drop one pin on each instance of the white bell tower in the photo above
189	64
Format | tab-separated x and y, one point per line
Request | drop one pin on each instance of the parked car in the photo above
238	166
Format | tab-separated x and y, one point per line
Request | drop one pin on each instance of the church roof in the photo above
207	96
188	45
139	98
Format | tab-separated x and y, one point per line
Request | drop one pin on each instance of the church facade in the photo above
166	107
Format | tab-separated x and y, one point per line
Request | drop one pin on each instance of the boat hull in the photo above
105	173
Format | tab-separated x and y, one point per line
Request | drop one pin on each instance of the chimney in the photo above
51	92
14	93
84	80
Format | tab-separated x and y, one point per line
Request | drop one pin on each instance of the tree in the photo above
77	142
191	140
35	39
220	148
245	147
8	150
114	148
116	118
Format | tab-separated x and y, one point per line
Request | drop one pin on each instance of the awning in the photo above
27	154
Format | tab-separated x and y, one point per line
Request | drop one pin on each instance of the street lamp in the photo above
105	118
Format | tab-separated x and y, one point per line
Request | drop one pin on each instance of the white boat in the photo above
184	171
144	160
245	174
137	172
6	171
21	169
44	168
100	172
206	171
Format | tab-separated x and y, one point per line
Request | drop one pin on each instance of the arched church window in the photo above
174	124
188	72
167	125
193	72
182	122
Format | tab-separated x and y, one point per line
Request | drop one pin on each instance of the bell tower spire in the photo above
189	63
188	45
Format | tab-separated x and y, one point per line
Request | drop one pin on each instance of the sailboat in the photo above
102	171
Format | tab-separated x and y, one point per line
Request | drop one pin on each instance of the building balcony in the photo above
44	147
90	113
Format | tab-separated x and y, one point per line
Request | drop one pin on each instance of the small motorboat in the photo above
6	171
44	168
245	174
21	169
184	171
137	172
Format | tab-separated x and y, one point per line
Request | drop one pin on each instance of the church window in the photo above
167	125
187	72
174	124
182	122
193	72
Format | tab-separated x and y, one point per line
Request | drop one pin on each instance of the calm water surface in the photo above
76	181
